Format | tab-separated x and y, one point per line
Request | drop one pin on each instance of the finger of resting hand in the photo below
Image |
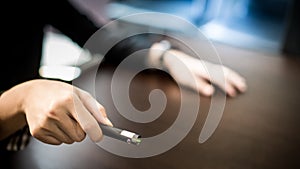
204	87
230	90
237	81
95	108
229	82
87	122
227	87
209	72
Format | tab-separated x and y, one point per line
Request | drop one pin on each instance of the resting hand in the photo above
201	70
57	112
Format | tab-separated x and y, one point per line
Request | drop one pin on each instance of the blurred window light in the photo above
61	57
63	72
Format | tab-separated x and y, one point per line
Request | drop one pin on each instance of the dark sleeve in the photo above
17	141
62	15
67	19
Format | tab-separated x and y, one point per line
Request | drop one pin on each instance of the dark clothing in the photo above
22	34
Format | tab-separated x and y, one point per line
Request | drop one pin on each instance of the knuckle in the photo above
52	109
44	120
68	98
51	114
58	104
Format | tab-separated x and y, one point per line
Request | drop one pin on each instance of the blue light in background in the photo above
253	24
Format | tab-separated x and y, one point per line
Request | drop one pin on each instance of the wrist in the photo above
21	91
12	100
12	117
157	53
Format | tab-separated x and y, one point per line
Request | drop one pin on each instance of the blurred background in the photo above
261	25
254	24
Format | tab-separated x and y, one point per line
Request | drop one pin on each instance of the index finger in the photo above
86	120
96	109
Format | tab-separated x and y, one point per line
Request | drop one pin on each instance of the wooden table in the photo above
259	129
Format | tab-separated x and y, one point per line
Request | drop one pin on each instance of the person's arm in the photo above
234	82
11	117
55	112
173	60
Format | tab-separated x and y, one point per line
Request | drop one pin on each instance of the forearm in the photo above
129	46
12	117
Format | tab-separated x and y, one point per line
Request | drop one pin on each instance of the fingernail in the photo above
108	122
